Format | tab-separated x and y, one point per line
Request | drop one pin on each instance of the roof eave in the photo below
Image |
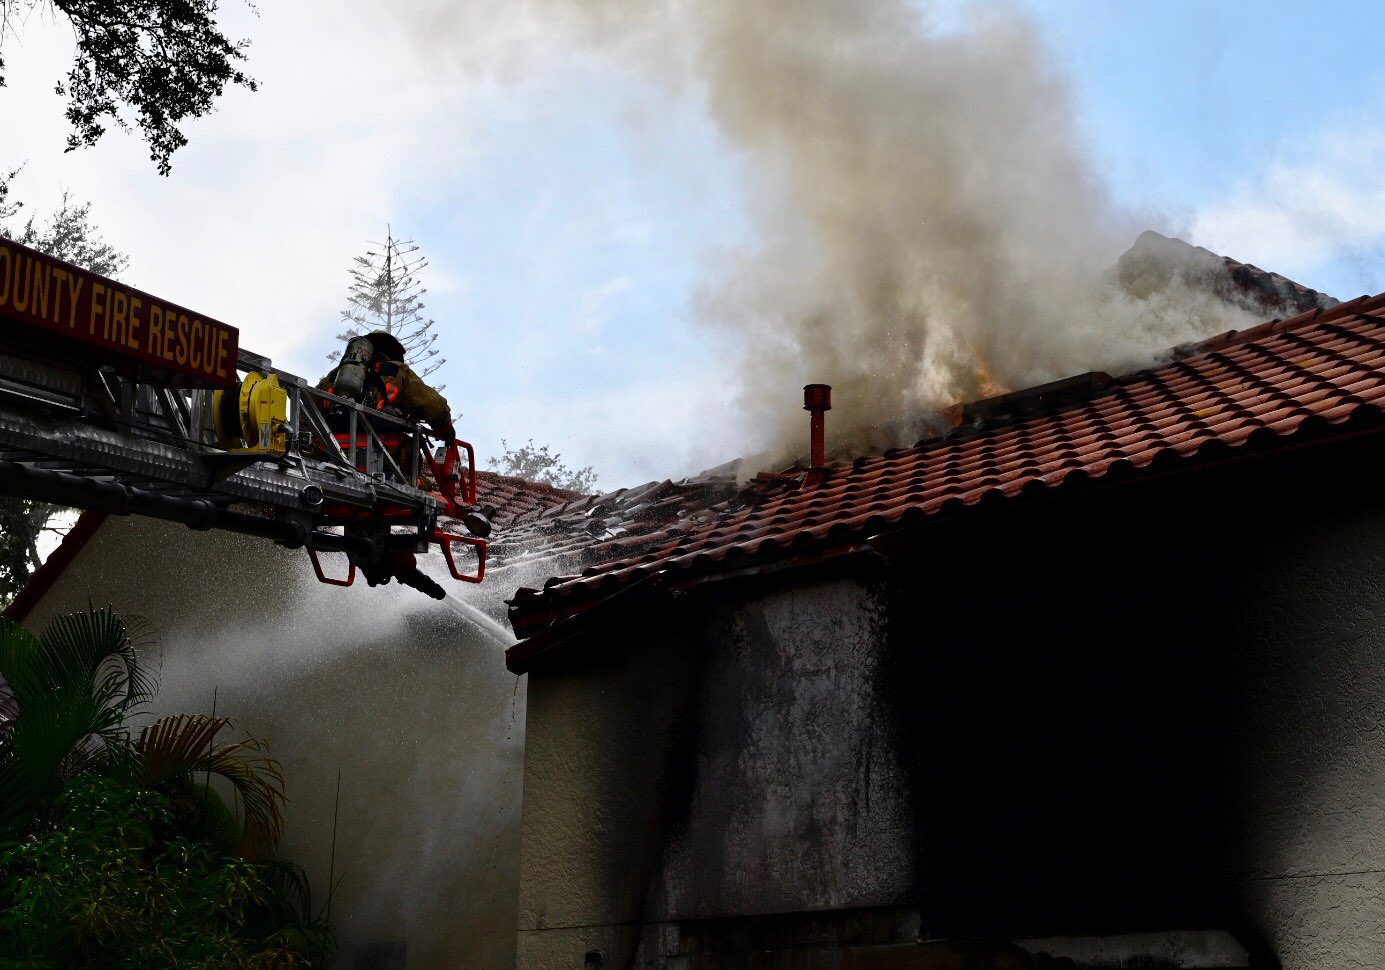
546	631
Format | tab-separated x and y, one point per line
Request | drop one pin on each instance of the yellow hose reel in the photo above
253	419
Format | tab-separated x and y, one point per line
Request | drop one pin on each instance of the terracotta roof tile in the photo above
518	498
1262	384
617	527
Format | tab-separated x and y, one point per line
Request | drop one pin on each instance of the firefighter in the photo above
373	372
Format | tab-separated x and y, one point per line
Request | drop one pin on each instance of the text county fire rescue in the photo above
115	400
64	299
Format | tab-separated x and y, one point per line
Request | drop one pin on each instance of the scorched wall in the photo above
1151	707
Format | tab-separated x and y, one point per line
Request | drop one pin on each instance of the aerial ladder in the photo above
117	401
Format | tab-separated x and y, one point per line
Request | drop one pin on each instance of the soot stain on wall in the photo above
1154	707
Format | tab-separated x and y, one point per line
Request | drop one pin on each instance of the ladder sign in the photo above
58	297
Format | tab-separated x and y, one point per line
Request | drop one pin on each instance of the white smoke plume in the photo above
930	225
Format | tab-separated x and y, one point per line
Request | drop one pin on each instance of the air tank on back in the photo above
350	379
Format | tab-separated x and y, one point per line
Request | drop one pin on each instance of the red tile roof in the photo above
1264	385
568	535
54	566
517	498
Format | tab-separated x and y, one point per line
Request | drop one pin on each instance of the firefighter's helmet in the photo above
387	346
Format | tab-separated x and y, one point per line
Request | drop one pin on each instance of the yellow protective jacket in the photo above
405	391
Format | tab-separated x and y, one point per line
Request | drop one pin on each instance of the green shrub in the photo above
111	885
118	851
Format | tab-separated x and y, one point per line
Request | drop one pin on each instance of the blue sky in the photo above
1192	108
571	209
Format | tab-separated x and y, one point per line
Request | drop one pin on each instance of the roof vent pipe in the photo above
817	400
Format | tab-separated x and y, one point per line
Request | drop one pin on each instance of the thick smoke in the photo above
930	226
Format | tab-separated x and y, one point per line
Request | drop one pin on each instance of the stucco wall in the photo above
1149	708
407	699
1156	709
714	761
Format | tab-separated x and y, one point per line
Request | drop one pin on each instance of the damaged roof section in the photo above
541	531
1264	387
1156	262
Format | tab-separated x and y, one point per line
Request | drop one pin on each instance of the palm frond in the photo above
289	884
20	665
173	752
57	724
98	647
9	707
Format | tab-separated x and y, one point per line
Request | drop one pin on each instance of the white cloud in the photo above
632	434
277	190
1298	217
357	123
591	308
